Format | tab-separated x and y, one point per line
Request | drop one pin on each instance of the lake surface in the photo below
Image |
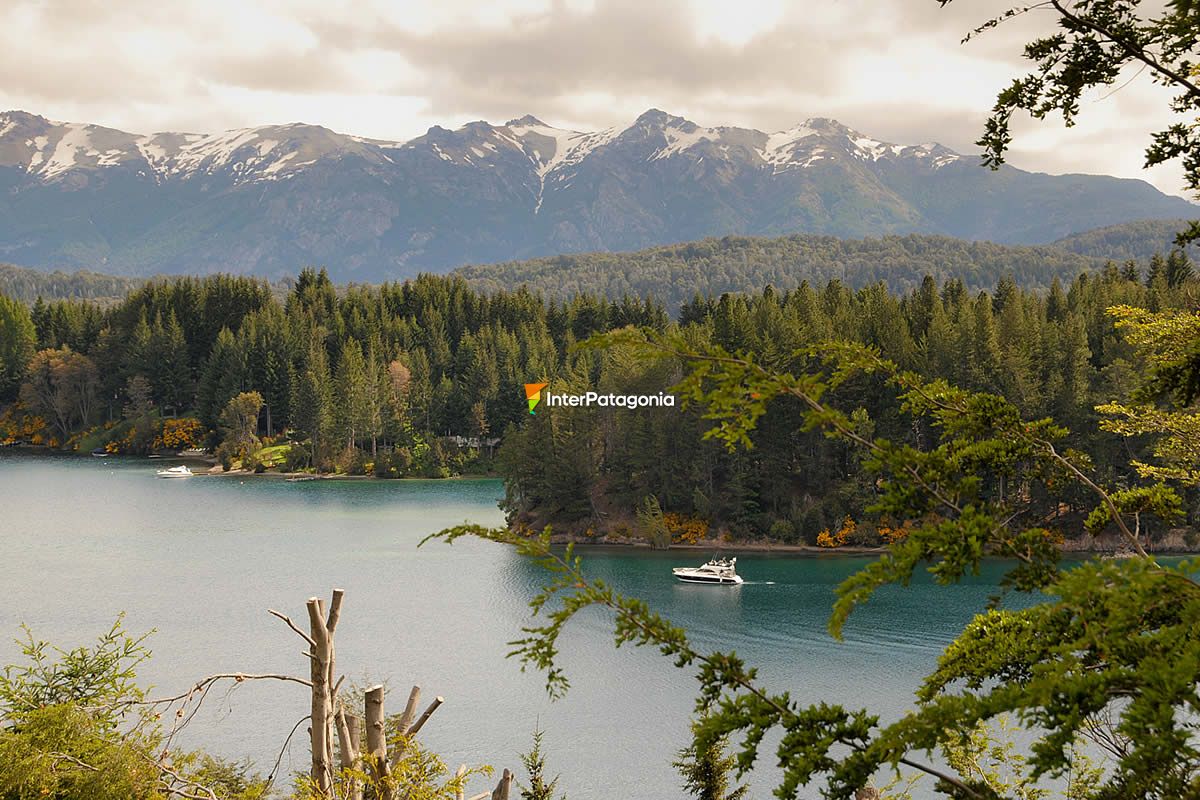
201	560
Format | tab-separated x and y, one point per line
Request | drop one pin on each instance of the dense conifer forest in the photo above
674	273
1054	353
425	378
375	380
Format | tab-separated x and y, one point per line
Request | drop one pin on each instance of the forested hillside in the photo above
368	380
1053	353
675	273
426	378
1136	240
28	285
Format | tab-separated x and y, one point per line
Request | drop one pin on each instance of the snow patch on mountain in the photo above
873	148
39	143
66	150
778	151
553	149
51	150
679	140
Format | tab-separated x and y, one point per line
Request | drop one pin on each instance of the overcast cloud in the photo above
892	68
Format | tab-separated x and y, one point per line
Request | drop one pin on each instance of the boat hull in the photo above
174	472
709	579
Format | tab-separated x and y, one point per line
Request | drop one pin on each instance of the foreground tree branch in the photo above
1107	642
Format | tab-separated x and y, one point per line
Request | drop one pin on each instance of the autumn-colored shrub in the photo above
17	425
685	529
183	433
891	534
826	539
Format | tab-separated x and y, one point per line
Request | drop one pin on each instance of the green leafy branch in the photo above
730	699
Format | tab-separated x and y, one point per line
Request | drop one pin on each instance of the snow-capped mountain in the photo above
271	199
55	150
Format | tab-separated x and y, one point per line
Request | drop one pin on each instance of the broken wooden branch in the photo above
416	728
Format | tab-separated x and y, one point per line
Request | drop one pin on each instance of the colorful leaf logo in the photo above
533	394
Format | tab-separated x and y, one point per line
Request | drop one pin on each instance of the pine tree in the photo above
18	341
540	787
175	384
353	407
707	772
1179	269
223	377
1157	274
312	401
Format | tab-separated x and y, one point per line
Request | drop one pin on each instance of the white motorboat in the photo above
175	472
717	571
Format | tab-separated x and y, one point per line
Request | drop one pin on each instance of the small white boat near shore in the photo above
717	571
175	472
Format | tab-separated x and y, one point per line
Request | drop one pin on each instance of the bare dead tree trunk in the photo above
329	717
377	742
322	666
504	787
460	793
349	736
410	709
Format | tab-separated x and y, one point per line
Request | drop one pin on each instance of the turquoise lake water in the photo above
201	560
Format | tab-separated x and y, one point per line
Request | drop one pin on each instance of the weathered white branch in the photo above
320	732
460	790
377	741
335	610
202	684
415	729
347	731
288	621
410	710
504	787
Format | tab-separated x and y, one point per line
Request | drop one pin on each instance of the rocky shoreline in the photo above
1173	543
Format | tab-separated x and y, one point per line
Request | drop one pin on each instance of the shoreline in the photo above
718	545
767	548
1068	549
213	469
1112	548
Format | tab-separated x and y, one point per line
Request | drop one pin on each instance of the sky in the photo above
390	69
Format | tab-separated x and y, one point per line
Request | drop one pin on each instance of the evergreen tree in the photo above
312	402
354	388
18	340
1157	274
540	786
224	375
707	771
1179	269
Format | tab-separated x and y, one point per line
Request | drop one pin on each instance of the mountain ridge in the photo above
674	273
263	200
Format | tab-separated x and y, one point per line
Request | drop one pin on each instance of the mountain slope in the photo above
673	274
272	199
1131	240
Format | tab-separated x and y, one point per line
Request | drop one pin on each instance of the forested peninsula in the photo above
426	379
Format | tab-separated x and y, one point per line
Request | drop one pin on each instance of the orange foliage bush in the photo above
17	425
685	529
180	434
891	535
826	539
